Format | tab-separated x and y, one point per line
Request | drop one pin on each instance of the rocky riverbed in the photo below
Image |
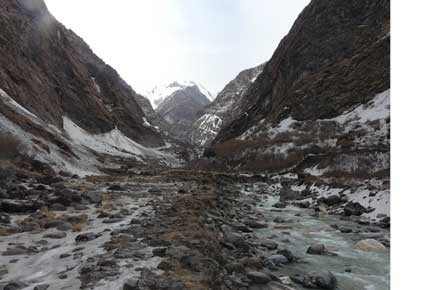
184	230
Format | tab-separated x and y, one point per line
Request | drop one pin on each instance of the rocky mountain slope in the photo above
314	104
183	106
53	86
225	108
335	56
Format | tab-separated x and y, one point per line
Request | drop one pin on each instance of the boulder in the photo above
278	259
354	208
288	254
370	245
258	277
323	280
331	200
317	249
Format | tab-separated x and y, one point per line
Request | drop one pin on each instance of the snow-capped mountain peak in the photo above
159	93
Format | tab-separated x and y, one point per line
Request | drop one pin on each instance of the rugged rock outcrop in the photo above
321	106
336	56
51	72
183	106
225	108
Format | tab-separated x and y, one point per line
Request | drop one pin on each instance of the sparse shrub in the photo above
10	146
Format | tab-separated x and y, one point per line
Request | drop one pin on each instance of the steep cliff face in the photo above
321	106
52	73
335	57
225	108
182	107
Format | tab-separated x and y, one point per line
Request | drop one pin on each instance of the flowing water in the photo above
354	269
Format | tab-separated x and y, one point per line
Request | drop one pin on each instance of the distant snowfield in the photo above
113	143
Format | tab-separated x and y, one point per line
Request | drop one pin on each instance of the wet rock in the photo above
85	237
164	243
279	220
49	179
278	259
63	256
3	270
252	263
234	268
64	227
255	224
302	204
318	280
345	230
268	244
112	220
234	239
354	208
57	207
150	280
55	235
41	287
155	190
135	221
331	200
4	218
16	251
19	206
116	187
317	249
16	285
288	194
370	245
78	206
279	205
159	252
92	197
131	284
373	229
288	254
258	277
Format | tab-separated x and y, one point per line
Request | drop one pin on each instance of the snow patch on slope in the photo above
376	109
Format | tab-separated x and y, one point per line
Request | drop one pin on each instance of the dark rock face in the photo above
226	107
182	108
52	72
337	55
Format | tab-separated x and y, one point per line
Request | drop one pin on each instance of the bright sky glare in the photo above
152	42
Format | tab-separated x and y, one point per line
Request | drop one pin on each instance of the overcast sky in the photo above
152	42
